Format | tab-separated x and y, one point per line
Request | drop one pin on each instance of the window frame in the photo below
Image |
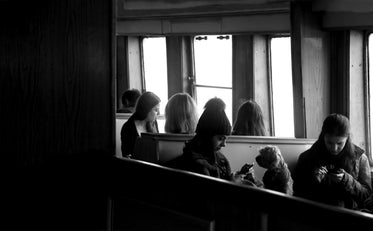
367	93
180	54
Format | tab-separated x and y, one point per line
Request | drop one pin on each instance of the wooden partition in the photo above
148	196
244	149
159	148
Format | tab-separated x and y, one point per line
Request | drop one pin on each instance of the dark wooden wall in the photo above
56	84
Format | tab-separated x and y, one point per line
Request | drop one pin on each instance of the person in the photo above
202	153
249	120
334	170
129	98
181	114
144	119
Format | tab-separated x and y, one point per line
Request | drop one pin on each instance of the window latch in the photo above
221	37
199	38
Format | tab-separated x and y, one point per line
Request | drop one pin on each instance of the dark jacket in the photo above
201	161
351	192
129	134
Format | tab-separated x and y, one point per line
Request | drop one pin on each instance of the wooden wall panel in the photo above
311	71
56	88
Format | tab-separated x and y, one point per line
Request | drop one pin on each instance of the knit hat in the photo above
213	120
144	104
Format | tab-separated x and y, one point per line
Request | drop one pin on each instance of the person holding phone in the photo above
334	170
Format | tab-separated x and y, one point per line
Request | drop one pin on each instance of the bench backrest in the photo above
159	148
160	198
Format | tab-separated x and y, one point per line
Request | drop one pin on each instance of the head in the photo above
147	107
335	133
269	157
249	120
214	124
129	97
181	114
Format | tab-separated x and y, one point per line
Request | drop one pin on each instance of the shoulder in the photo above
358	151
221	158
129	127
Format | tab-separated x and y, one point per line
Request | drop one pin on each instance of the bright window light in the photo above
213	67
282	87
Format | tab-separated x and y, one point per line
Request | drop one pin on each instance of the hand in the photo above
320	173
238	177
336	177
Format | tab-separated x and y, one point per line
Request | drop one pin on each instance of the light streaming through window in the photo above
213	67
282	87
155	71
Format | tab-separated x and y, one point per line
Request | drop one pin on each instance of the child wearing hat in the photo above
202	153
144	119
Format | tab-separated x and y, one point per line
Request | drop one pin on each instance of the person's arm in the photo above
360	189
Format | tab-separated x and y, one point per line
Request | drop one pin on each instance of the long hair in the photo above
181	114
249	120
338	125
144	105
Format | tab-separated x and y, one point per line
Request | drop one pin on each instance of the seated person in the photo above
202	153
129	98
143	120
249	120
181	114
334	170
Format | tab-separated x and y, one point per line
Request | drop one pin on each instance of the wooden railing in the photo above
148	196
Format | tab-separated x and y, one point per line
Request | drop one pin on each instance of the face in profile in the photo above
334	144
218	141
153	113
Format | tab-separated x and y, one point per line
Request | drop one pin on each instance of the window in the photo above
213	70
282	86
155	71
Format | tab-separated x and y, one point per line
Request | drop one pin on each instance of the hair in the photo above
181	114
249	120
338	125
144	104
213	120
129	97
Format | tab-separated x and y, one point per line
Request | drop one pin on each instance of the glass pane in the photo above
155	68
282	87
205	93
213	61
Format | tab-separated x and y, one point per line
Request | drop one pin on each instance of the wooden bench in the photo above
147	196
159	148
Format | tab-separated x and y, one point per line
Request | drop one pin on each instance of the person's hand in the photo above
238	177
336	177
320	173
250	175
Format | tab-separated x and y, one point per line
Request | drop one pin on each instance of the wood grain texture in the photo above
56	81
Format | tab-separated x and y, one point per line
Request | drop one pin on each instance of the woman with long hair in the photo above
144	119
249	120
334	170
181	114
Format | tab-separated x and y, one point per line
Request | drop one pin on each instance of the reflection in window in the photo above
213	70
282	87
155	68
